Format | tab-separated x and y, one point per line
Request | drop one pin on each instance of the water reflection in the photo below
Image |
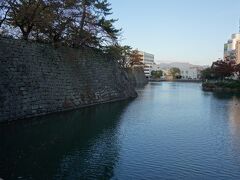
231	105
227	106
72	145
171	131
234	120
227	96
234	115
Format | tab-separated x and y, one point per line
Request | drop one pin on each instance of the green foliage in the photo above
76	23
237	70
120	54
124	55
207	73
174	72
223	69
231	84
157	74
135	58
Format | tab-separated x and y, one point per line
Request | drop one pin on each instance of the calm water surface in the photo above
171	131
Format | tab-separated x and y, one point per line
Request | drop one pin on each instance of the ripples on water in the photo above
171	131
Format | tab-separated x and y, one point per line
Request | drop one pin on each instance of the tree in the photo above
25	14
76	23
223	69
237	70
207	73
121	54
92	28
157	74
55	22
124	55
135	58
4	10
174	72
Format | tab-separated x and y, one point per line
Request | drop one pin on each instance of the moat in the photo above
172	130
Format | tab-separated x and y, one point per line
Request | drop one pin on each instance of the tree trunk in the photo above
5	17
25	35
25	32
83	16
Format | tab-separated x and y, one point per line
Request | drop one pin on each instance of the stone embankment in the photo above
222	86
137	76
177	80
37	79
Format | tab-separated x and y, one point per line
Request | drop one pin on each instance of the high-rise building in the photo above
238	52
148	61
232	46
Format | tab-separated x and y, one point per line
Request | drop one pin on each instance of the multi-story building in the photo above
190	72
238	52
156	67
148	61
187	71
232	48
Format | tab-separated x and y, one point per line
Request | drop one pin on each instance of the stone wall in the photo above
137	76
37	79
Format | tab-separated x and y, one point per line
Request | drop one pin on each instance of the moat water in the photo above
171	131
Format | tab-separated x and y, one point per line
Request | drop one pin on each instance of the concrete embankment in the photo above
37	79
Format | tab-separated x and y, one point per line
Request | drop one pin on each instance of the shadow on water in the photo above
224	95
62	145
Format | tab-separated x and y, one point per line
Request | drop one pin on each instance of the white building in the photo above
148	61
156	67
190	73
231	46
187	71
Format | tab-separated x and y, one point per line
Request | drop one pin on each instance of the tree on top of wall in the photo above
135	58
76	23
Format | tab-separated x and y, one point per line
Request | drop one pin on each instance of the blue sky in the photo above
178	30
